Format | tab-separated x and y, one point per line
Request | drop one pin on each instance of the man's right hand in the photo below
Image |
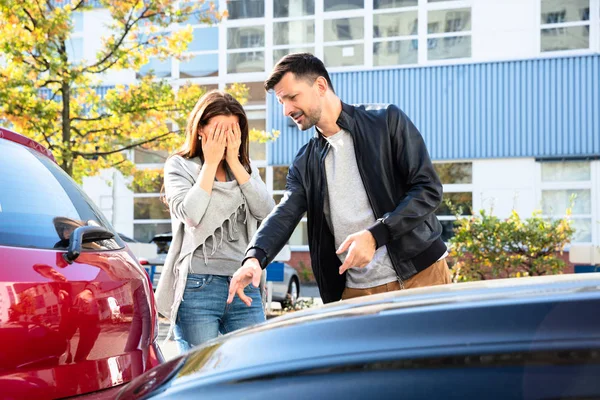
249	272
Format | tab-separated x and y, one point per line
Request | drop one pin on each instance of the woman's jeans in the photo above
204	312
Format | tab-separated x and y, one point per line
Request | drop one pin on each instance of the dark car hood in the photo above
528	313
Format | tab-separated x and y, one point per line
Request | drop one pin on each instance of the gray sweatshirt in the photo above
348	211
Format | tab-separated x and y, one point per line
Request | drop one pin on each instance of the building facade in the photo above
505	93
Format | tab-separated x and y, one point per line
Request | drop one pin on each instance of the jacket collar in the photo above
344	121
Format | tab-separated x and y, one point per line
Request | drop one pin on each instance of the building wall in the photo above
501	105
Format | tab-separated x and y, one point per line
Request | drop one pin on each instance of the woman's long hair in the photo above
210	105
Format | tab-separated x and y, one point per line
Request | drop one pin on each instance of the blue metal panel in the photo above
530	108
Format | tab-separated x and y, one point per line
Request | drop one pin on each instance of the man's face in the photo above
301	100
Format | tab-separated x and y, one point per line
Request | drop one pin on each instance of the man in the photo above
367	185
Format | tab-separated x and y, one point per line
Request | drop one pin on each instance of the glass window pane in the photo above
571	38
40	205
277	198
566	171
556	202
454	172
145	232
258	151
294	32
239	9
246	37
444	21
463	200
198	66
583	230
204	39
77	20
253	61
75	49
279	175
293	8
395	52
263	173
145	156
395	24
339	5
344	29
300	235
199	13
160	68
377	4
150	208
449	47
557	11
344	55
256	94
280	53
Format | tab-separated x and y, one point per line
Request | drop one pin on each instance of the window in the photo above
380	4
75	49
350	31
199	66
457	179
566	184
40	205
278	54
77	21
294	32
150	208
341	5
145	156
239	9
160	68
293	8
240	39
565	25
205	39
448	34
145	231
258	151
402	26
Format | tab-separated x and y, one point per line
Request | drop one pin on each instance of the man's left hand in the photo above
361	249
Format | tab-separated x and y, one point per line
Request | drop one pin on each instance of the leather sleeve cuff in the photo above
380	232
257	253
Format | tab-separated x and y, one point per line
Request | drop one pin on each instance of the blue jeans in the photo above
204	312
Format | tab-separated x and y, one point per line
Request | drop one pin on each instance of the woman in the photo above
216	199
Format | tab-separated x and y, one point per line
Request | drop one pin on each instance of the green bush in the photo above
486	247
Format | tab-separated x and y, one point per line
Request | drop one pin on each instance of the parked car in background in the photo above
77	314
527	338
285	289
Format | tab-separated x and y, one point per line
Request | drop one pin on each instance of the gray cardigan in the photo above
188	204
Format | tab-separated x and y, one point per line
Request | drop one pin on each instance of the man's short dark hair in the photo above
302	65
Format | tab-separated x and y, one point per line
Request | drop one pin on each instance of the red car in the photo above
77	313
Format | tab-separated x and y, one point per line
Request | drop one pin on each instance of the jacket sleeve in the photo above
277	228
423	187
260	202
186	199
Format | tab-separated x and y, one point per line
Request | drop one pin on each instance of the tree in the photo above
55	99
487	247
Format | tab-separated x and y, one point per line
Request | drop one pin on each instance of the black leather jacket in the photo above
402	186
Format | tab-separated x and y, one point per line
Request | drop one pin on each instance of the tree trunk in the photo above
67	159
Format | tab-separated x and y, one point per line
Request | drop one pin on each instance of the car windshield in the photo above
40	205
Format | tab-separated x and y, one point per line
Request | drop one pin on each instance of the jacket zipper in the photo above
360	172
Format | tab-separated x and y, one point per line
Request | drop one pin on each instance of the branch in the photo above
107	153
81	3
126	30
98	118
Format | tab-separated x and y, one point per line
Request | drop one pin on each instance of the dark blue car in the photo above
528	338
